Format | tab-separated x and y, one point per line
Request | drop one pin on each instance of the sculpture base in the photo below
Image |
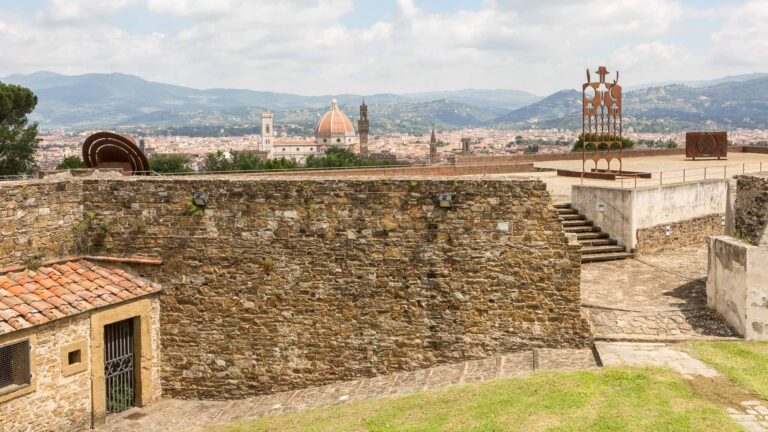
602	174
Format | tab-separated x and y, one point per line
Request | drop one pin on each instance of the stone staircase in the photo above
596	245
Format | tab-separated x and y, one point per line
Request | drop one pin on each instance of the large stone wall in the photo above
37	219
284	284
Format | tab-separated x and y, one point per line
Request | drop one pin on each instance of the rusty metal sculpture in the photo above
111	150
706	144
601	122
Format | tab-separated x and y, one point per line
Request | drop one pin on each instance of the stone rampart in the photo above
37	219
281	284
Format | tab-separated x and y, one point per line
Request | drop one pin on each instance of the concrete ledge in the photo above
737	286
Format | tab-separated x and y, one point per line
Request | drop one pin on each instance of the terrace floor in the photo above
672	167
659	297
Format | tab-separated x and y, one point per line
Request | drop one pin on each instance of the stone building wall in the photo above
284	284
686	233
58	402
751	209
37	219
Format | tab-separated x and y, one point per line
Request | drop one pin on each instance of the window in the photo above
15	370
338	140
74	357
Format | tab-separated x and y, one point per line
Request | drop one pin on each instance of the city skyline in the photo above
342	46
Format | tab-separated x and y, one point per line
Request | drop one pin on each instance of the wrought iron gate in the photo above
119	366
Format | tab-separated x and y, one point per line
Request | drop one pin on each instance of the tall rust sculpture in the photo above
602	124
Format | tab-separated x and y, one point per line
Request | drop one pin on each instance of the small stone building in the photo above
78	340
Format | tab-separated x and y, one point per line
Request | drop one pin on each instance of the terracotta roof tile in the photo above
29	298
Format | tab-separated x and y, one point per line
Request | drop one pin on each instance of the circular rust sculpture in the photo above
111	150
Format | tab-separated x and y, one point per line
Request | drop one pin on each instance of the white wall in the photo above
621	212
737	286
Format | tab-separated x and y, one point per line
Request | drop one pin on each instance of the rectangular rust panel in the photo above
706	144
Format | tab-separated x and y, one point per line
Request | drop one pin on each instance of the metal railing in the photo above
680	176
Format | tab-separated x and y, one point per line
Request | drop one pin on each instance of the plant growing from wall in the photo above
86	235
268	265
193	209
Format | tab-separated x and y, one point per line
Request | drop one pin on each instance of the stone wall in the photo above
284	284
37	219
58	402
751	209
686	233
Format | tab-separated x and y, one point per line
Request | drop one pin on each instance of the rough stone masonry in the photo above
284	284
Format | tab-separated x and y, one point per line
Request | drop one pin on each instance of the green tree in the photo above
244	161
18	138
169	164
71	162
217	162
338	158
626	143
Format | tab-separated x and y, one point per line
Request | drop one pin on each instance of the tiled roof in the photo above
33	297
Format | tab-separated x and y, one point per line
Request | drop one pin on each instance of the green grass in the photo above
625	399
745	363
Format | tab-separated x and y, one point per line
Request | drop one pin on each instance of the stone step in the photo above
591	236
566	211
581	229
585	250
575	223
567	217
605	257
563	206
598	242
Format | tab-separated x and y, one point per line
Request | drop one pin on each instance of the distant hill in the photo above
106	100
700	83
110	100
676	107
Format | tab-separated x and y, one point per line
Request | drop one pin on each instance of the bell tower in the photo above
267	134
362	128
433	147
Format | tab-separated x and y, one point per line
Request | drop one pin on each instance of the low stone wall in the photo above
624	213
285	284
690	232
411	171
37	219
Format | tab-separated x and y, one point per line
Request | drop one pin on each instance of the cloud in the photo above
307	46
81	10
743	39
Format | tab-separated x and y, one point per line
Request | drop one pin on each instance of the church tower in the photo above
267	134
433	147
362	129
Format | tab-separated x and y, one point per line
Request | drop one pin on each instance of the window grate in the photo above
14	367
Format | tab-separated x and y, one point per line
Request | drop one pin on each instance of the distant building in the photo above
465	146
433	147
333	130
362	129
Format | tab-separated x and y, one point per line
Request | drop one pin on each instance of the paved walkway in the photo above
751	414
658	297
187	416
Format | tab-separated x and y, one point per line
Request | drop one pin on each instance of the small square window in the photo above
15	370
74	357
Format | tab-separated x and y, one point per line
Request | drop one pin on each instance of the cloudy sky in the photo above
375	46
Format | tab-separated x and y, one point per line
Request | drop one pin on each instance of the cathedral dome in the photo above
334	125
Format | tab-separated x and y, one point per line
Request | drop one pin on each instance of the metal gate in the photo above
119	366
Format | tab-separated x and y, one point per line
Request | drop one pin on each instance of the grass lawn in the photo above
745	363
610	399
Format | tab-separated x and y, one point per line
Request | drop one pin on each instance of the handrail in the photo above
713	172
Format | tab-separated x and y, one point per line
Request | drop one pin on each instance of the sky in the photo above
314	47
